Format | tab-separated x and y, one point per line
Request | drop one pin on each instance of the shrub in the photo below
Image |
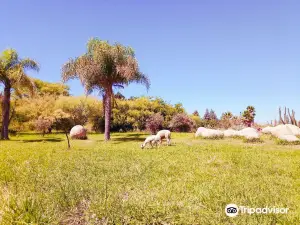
43	124
98	124
182	123
252	140
154	122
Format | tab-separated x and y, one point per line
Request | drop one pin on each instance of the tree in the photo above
49	88
43	124
104	67
212	115
63	122
154	122
248	116
210	118
13	76
225	121
182	123
196	113
118	95
206	115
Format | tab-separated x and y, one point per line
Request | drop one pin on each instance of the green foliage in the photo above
81	109
28	110
197	120
133	113
62	121
248	116
48	88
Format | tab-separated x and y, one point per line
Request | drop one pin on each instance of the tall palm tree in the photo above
104	67
13	76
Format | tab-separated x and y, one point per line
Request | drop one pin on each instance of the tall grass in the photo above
190	182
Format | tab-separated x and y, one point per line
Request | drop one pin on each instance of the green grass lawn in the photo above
190	182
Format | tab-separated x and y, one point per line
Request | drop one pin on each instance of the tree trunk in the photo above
66	133
5	111
107	113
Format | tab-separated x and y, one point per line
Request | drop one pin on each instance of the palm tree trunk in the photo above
107	109
5	111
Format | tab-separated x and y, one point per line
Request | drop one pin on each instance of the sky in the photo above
221	55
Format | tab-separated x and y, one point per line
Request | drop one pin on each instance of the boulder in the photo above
199	131
281	130
78	132
211	133
249	133
267	130
230	133
288	137
295	130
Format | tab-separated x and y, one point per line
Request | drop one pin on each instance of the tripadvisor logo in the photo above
232	210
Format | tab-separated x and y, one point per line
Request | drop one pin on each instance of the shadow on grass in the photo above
125	139
43	140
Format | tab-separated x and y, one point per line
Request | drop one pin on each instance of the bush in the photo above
154	123
182	123
252	140
43	124
12	132
98	123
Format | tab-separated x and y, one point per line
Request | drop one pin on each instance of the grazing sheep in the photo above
149	140
163	134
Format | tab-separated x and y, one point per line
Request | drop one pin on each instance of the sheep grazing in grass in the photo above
163	134
155	139
149	140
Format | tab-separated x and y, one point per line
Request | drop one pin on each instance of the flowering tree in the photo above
182	123
43	124
154	122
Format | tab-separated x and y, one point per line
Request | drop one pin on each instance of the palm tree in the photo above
104	67
13	76
249	115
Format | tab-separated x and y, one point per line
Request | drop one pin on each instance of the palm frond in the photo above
30	64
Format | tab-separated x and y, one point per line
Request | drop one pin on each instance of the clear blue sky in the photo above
221	54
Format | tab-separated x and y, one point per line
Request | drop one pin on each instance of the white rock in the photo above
211	133
288	137
294	129
249	133
199	131
281	130
267	130
230	133
78	132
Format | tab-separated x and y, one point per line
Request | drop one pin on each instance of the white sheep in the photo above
163	134
149	140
